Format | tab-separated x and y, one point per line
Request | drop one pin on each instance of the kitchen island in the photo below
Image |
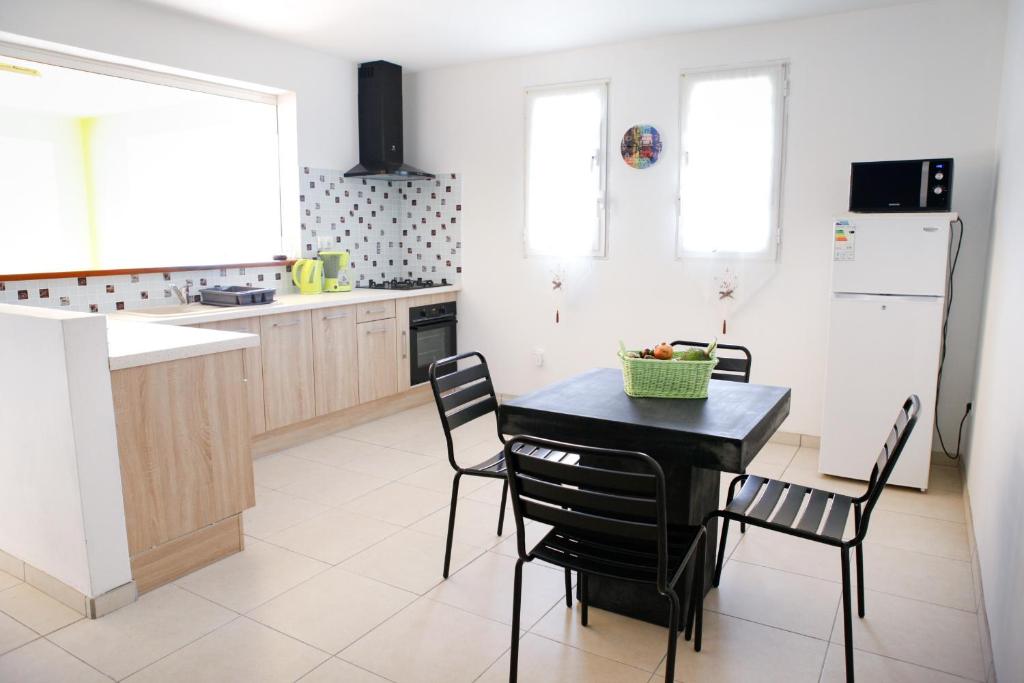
126	460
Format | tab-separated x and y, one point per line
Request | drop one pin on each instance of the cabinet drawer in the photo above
378	310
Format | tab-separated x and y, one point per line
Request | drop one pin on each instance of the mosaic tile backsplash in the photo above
110	293
400	229
391	228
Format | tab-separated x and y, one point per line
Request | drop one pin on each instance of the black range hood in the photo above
380	125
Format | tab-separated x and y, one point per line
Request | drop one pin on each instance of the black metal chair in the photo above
732	367
463	396
758	503
608	522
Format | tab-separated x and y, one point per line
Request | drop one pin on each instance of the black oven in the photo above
431	338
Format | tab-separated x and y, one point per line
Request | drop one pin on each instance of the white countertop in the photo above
199	313
133	339
131	344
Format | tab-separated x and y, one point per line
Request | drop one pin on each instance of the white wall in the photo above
905	82
61	503
42	192
995	468
325	85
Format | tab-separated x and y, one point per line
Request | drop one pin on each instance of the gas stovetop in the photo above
407	283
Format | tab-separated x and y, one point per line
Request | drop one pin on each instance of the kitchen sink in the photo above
171	311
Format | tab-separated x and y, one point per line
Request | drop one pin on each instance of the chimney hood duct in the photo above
380	125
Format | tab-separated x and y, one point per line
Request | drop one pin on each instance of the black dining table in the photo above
693	440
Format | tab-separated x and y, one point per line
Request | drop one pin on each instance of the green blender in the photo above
335	271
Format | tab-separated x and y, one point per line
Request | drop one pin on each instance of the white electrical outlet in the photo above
538	357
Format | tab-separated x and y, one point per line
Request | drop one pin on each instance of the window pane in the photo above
729	185
564	186
100	172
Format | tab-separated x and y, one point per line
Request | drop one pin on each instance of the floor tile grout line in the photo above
897	659
835	619
29	627
761	623
424	596
595	654
369	474
839	583
353	664
178	649
72	654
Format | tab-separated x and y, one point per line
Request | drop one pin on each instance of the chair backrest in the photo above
733	366
619	500
887	458
463	394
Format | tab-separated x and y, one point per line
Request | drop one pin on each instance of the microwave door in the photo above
891	186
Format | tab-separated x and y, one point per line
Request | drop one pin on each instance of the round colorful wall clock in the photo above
641	145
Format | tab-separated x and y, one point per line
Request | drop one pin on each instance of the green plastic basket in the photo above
652	378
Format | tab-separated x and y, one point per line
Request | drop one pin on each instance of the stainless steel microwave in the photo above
896	186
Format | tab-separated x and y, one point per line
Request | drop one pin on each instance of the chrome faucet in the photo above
184	296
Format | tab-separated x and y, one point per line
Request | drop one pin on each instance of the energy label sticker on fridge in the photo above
844	242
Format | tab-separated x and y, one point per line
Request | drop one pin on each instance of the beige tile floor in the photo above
341	581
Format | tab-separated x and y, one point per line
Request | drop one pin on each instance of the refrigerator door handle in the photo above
882	298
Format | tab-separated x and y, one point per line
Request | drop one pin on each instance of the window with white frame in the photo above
730	180
104	167
566	130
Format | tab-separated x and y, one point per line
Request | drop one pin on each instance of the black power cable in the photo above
942	353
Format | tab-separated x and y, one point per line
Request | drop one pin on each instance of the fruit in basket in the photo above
694	354
663	351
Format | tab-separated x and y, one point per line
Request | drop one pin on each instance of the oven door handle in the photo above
432	324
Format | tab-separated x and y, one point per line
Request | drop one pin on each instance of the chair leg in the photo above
584	590
698	593
721	552
451	523
517	598
847	614
673	633
568	588
860	565
860	580
504	499
743	528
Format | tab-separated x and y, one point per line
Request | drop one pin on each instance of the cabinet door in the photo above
287	344
252	366
182	435
402	327
335	359
378	372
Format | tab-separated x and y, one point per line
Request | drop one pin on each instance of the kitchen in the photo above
279	468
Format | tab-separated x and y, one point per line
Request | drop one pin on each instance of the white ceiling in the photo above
69	92
421	34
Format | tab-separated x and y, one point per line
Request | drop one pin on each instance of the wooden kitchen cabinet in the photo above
287	350
335	359
186	462
378	372
253	367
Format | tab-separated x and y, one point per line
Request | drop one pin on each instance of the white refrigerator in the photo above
889	274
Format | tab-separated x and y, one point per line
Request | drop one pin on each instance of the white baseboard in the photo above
979	593
89	607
